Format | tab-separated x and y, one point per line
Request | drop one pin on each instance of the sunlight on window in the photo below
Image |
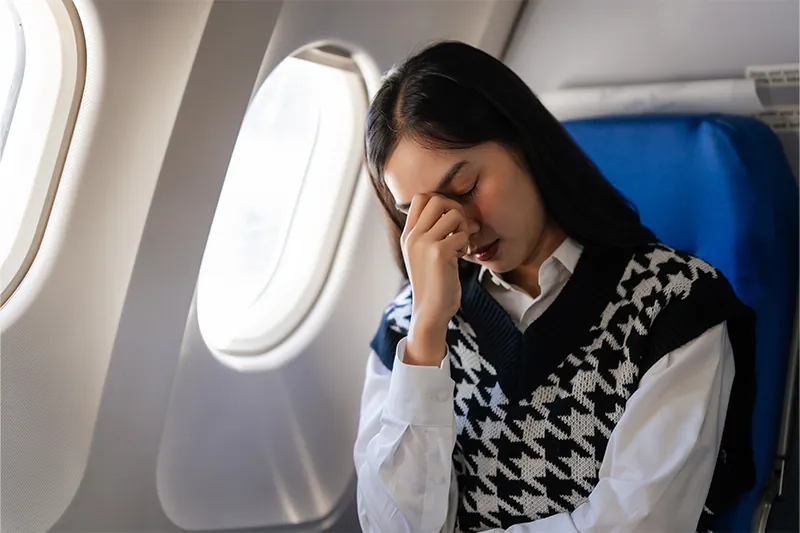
42	64
282	205
10	74
8	51
264	179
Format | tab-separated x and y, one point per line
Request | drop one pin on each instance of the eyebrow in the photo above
443	183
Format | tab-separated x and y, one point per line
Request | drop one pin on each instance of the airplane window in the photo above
42	59
12	63
283	202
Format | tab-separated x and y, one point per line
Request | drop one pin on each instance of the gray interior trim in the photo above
775	485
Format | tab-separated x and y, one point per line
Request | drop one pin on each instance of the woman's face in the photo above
498	196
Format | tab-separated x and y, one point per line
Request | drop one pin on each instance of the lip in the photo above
486	253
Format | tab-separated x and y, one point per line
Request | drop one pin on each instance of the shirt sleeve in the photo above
403	452
661	456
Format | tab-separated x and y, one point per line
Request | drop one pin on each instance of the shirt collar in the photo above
567	254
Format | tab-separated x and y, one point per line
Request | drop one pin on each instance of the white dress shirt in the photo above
656	470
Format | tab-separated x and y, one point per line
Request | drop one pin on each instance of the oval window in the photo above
42	59
283	202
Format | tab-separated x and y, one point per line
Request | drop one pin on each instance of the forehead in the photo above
414	169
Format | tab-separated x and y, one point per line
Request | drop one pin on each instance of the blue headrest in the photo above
720	188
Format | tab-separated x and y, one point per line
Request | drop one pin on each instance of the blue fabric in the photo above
718	187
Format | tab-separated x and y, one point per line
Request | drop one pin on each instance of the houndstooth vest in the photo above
535	409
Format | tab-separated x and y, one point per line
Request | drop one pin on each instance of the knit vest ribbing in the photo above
534	410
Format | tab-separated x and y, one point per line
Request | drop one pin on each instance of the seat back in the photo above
718	187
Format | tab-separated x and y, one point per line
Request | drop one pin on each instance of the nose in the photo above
473	223
473	226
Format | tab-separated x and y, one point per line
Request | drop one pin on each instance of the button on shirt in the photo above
656	470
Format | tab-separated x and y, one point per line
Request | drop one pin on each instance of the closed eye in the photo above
465	197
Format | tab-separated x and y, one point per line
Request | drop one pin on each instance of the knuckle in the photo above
417	244
433	252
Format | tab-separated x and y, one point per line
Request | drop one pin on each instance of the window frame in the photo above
263	345
50	92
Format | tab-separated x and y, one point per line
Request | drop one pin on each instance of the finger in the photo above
451	222
434	209
418	204
458	242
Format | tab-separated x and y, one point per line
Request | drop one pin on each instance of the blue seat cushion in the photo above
718	187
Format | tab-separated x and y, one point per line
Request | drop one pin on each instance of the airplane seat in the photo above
719	187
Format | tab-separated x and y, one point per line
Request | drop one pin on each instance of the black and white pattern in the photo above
523	457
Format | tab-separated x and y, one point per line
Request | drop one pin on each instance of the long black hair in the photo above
452	95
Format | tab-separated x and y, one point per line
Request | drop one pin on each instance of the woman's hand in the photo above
435	237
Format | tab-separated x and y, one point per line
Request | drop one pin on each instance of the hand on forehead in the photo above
413	170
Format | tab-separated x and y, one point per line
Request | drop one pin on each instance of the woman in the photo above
550	366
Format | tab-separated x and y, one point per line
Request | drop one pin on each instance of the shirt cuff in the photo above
420	395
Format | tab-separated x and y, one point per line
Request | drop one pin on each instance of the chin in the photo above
499	265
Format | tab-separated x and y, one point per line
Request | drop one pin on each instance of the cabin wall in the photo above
59	327
583	43
580	43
